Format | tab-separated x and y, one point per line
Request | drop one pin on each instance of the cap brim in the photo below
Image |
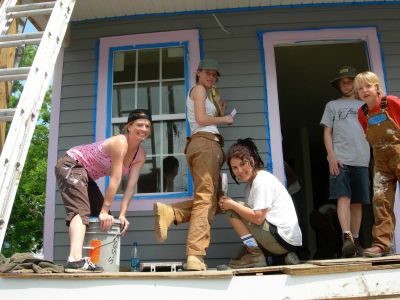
334	81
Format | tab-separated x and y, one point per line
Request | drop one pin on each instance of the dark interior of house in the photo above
304	72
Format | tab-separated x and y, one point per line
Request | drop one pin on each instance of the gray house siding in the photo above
242	84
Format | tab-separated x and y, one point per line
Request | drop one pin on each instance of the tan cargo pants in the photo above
205	157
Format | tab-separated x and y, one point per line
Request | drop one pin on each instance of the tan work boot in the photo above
195	263
253	258
163	218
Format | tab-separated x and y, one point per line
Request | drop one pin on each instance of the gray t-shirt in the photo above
349	142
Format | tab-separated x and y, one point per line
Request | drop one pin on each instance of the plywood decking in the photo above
309	268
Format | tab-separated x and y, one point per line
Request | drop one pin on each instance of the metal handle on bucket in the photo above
92	248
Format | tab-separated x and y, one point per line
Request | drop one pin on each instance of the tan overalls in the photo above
384	136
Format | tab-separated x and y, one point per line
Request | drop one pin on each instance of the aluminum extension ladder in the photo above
38	77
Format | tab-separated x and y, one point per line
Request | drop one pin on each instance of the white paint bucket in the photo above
103	247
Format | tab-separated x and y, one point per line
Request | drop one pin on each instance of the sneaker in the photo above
359	248
163	218
292	259
253	258
83	265
348	249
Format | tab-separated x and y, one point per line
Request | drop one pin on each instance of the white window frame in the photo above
189	38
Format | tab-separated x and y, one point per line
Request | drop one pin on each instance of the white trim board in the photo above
362	284
50	204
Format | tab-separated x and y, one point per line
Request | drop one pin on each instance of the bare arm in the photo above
198	95
117	147
332	160
254	216
130	188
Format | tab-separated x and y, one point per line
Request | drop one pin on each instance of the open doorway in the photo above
303	76
299	66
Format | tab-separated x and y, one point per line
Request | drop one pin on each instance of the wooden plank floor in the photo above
312	267
327	266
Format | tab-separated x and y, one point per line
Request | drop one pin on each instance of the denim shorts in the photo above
352	182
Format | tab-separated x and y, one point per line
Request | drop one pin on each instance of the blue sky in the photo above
29	27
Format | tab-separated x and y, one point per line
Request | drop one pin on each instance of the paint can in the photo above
103	247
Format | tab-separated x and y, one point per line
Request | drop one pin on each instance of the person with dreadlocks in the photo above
267	222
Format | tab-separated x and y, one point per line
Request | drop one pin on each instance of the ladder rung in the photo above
32	6
30	13
14	77
14	71
15	40
15	37
7	114
12	74
19	43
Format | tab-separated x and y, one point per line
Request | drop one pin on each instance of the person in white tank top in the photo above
205	157
81	165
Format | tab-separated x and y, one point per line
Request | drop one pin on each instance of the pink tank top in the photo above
96	161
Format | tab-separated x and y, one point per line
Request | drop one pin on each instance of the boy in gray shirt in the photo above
348	158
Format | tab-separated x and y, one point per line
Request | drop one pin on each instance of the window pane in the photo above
173	179
152	145
149	180
123	100
174	174
173	63
173	97
124	66
122	186
117	128
149	64
148	95
173	136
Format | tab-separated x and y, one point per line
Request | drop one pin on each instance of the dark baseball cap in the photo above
209	64
344	71
139	114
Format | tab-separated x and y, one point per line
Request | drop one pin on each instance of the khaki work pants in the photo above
205	158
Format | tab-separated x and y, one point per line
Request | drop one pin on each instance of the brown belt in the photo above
207	135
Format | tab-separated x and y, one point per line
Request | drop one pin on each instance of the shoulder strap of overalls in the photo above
383	106
365	109
384	103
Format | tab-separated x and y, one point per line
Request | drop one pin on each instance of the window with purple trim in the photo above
154	79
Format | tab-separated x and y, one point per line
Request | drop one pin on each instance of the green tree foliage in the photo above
25	227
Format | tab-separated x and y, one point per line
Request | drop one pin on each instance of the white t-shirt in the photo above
267	191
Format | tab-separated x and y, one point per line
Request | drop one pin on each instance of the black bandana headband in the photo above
139	114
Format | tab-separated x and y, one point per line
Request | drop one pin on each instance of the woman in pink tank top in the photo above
76	171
